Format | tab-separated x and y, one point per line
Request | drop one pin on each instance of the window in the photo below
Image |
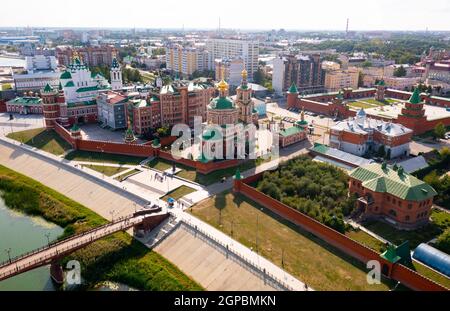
409	206
407	218
388	198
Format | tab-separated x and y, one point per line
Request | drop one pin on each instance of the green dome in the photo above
48	89
222	103
66	75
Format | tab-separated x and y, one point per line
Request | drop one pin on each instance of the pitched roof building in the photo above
391	194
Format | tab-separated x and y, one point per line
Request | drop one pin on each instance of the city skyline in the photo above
330	15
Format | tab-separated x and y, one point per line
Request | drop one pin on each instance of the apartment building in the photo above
186	60
336	80
247	50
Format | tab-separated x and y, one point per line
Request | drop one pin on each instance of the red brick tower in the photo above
292	96
413	114
50	106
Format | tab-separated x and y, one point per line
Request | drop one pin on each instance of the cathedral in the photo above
75	100
222	111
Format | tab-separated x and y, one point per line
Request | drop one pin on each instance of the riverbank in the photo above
118	258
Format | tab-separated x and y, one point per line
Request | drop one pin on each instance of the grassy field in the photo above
178	193
191	174
107	170
375	102
441	221
360	105
40	138
79	155
305	256
123	176
116	258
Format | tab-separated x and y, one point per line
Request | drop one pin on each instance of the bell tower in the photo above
244	100
116	74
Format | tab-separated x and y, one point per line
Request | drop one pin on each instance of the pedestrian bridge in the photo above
143	220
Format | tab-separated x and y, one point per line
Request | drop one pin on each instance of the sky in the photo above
235	14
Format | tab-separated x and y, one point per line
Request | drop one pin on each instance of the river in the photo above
23	233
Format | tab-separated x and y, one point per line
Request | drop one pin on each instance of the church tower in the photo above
50	107
116	75
244	100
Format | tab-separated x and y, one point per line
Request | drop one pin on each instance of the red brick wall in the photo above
65	134
117	148
338	240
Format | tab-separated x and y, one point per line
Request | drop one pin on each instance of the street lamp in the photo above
257	225
8	251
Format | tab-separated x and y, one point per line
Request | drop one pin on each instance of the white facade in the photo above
232	70
40	62
278	75
186	60
234	48
35	81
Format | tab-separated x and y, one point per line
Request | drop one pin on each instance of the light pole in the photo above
282	258
47	235
257	227
8	251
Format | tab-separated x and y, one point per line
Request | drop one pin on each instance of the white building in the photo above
40	71
234	48
230	69
278	75
79	84
361	134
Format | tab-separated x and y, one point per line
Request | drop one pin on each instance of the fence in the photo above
279	283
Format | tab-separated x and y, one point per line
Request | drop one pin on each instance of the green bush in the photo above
316	189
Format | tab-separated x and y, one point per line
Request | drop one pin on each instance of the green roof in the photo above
390	254
222	103
70	84
66	75
82	103
26	101
415	97
293	88
156	142
115	63
87	89
75	128
202	158
48	88
381	83
290	131
238	174
60	86
319	148
395	182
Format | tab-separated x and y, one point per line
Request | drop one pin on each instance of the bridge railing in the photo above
61	250
240	256
57	242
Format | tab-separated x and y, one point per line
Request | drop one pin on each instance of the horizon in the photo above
384	15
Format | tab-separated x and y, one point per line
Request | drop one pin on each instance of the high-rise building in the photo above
186	60
91	56
305	71
229	70
235	48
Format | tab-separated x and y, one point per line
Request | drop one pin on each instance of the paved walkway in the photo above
104	196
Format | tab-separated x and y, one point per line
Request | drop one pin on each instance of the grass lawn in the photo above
117	258
305	256
178	193
79	155
366	239
123	176
107	170
375	102
40	138
190	173
441	221
360	105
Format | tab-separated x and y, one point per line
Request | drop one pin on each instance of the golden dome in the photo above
244	73
222	86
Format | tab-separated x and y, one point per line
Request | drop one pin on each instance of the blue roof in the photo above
433	257
170	200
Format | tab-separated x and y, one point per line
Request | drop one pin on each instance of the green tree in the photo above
258	76
443	241
400	72
439	131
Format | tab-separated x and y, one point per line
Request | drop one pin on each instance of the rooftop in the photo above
383	178
26	101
